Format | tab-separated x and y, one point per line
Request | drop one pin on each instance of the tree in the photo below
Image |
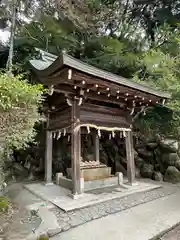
20	101
134	39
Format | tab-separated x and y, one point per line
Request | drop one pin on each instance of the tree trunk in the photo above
9	64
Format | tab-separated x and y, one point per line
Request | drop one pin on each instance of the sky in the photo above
4	35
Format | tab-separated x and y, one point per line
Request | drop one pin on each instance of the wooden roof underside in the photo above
53	70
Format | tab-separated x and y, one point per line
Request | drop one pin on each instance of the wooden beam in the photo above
130	157
79	76
67	89
122	101
75	149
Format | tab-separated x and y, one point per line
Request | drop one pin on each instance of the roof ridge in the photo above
99	72
125	80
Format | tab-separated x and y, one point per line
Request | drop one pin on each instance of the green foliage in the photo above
19	105
139	40
4	204
161	71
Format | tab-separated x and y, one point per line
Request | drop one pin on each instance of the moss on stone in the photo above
4	204
172	175
43	237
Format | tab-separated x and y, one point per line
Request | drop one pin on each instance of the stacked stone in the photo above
159	160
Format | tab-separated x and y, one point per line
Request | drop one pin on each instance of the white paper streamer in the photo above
99	133
59	135
88	129
64	132
54	134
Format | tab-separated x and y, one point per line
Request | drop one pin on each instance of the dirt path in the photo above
19	222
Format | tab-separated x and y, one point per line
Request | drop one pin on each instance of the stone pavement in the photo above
55	221
142	222
59	196
68	220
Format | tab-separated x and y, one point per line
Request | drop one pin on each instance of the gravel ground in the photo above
18	222
78	217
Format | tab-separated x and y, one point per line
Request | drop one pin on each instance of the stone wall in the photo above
158	159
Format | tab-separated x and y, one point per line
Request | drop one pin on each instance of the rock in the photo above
157	153
145	154
170	159
177	165
157	167
147	170
139	162
152	145
159	164
169	145
53	232
89	157
135	154
31	176
137	173
120	168
103	157
20	170
28	162
172	175
9	161
157	176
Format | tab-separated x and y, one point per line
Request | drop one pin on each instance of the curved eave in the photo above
46	68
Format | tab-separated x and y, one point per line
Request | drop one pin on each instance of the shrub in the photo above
19	110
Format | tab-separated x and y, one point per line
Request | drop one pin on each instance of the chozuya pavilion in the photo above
87	100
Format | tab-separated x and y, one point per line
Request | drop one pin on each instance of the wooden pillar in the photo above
130	157
96	145
76	149
48	157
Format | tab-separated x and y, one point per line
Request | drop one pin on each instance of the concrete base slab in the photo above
49	184
60	196
76	196
132	184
